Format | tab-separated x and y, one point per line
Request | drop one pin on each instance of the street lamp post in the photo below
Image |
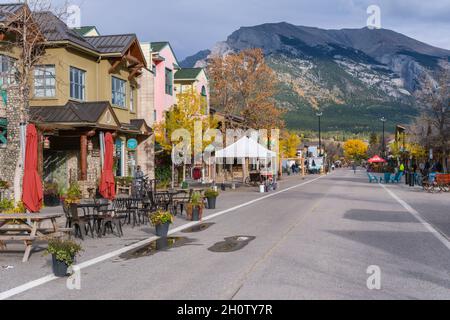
319	115
384	138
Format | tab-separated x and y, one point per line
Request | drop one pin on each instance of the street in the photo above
312	239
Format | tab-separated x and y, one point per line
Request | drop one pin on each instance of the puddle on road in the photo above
232	244
198	228
154	247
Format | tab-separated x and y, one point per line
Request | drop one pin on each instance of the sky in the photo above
194	25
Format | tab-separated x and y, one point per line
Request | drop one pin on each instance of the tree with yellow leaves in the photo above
289	143
355	150
189	110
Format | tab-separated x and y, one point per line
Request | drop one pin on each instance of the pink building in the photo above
193	80
165	65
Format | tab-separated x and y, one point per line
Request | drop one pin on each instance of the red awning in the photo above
107	183
377	159
32	193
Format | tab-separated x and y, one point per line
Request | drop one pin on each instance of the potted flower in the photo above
161	220
73	195
195	207
63	254
211	195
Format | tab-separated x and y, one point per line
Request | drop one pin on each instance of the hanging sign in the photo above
132	144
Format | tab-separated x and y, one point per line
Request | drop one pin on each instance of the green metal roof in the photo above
82	31
187	73
158	46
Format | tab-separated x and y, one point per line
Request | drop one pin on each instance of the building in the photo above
193	80
83	87
164	66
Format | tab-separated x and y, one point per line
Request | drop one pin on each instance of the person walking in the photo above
354	168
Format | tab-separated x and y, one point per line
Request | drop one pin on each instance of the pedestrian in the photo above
354	168
402	168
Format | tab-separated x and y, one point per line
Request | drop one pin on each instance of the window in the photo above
131	99
155	116
44	81
7	70
204	91
3	132
169	82
77	84
154	69
118	92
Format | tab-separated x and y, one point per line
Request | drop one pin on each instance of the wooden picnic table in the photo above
27	228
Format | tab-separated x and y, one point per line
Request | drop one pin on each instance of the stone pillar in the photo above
10	154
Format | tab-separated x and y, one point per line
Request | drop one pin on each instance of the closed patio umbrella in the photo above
107	183
32	193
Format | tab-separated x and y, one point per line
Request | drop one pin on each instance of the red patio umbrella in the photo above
32	192
107	184
377	159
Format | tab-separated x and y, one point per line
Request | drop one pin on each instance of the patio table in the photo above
27	228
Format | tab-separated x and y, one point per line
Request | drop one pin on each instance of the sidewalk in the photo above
40	266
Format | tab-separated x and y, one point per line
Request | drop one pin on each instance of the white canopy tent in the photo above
247	148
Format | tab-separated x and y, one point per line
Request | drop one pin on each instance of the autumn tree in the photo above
189	110
355	150
243	84
436	112
289	144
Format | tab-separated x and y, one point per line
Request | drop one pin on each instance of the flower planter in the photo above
196	214
59	267
212	203
162	230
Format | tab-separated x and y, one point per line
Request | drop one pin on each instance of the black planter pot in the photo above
196	214
162	230
212	203
59	268
51	200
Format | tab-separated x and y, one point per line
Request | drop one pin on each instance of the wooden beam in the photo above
83	157
114	66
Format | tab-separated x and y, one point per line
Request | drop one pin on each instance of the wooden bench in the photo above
27	228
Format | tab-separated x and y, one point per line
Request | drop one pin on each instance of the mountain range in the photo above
354	76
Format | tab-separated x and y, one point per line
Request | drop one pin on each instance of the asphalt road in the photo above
314	241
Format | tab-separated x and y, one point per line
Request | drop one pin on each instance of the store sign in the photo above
132	144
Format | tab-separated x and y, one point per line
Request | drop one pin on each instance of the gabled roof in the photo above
72	112
8	9
158	46
54	29
112	43
141	123
83	31
188	73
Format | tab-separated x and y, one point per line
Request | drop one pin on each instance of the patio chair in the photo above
372	178
80	224
397	178
181	201
111	215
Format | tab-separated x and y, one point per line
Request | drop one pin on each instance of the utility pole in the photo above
384	138
319	115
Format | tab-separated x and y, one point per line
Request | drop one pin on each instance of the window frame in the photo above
76	88
9	75
45	78
169	81
114	93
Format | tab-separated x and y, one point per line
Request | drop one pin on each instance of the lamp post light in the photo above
383	120
319	116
